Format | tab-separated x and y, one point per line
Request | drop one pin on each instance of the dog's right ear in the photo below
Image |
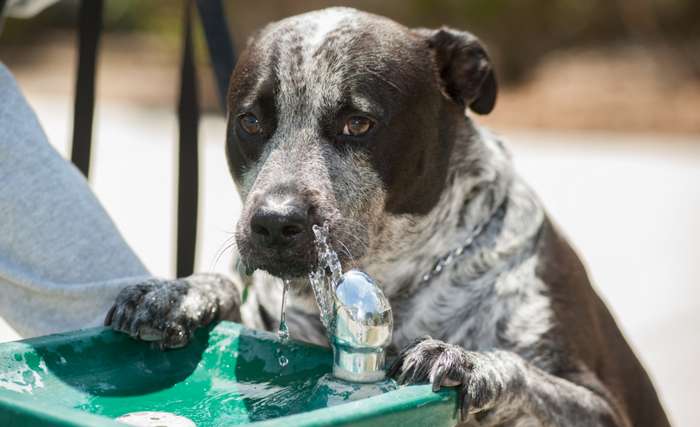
464	68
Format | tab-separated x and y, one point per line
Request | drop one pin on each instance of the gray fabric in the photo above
62	260
26	8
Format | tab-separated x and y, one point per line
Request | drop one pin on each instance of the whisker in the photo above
227	244
351	222
354	240
347	251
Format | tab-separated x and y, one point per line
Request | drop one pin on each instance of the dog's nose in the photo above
280	221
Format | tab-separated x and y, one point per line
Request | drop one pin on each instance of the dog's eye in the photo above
357	126
249	123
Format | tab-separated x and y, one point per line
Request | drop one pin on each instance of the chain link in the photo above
458	252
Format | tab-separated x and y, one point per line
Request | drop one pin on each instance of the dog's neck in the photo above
478	182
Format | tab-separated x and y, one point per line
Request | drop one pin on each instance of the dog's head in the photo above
344	117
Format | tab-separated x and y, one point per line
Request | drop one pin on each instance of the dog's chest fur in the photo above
501	309
490	297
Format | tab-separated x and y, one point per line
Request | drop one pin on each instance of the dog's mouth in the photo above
291	263
283	265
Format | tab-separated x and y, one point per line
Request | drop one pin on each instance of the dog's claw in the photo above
404	375
108	317
438	377
394	369
465	402
445	365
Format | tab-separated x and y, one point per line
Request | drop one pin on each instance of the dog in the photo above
349	119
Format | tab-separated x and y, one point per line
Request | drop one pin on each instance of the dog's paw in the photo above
442	364
169	311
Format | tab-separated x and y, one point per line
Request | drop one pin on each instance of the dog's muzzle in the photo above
280	235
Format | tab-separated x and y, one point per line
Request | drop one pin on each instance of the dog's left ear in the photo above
464	68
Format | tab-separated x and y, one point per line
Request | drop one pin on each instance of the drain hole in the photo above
155	419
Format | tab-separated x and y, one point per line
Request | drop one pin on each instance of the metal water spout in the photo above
362	328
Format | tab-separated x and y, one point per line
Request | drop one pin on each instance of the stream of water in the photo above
323	281
326	276
283	330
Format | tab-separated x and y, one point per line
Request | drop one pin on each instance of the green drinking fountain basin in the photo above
228	375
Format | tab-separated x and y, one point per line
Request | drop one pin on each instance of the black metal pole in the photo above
188	182
90	27
221	51
2	16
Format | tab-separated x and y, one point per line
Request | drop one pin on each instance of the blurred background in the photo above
599	100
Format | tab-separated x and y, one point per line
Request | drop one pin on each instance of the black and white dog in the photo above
348	118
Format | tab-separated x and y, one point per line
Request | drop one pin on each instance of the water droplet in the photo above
283	361
283	332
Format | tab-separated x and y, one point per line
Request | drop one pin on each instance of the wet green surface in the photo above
228	375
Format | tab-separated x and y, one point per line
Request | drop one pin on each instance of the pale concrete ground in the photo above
630	204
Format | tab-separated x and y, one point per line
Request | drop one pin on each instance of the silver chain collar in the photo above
451	256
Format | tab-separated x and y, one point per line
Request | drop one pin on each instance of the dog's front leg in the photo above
497	385
169	311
